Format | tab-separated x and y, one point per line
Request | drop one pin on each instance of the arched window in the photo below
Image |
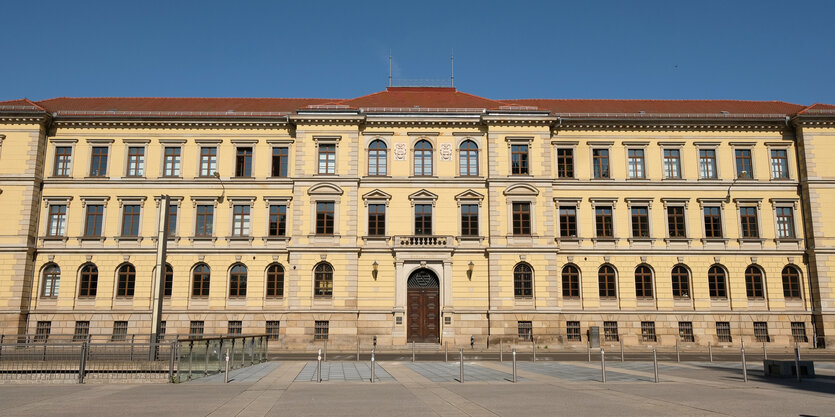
606	282
126	281
523	281
51	281
681	282
791	282
168	282
423	158
323	280
200	280
716	282
468	158
377	158
89	281
643	282
754	282
237	281
570	282
275	281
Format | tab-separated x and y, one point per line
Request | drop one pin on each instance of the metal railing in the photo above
198	358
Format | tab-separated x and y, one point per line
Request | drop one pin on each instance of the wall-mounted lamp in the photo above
742	175
217	175
374	267
470	267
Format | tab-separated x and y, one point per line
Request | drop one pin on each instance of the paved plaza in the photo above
403	388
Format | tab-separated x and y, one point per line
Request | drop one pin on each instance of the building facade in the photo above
421	214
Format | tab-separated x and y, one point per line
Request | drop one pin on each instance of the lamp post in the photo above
742	175
159	275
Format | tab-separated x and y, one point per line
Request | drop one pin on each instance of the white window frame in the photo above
168	143
136	143
711	146
240	201
790	203
575	204
636	146
672	146
207	143
56	143
56	200
327	140
779	146
479	168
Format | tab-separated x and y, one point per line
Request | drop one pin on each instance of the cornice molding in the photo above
169	124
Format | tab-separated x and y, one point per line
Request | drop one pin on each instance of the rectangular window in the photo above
779	164
272	329
94	219
723	331
136	161
648	331
521	218
281	161
168	281
713	222
761	331
748	219
57	224
600	163
321	330
603	222
799	332
327	159
130	220
195	329
173	209
205	220
685	331
568	222
120	331
676	221
376	219
672	163
240	220
82	331
525	330
743	163
63	161
243	162
785	222
640	222
565	163
324	217
98	161
635	163
572	331
707	163
171	162
234	327
423	219
469	219
208	161
278	220
610	331
42	331
519	160
161	334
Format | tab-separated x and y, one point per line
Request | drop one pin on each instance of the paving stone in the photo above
343	371
450	371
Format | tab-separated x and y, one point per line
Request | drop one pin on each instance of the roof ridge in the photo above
190	98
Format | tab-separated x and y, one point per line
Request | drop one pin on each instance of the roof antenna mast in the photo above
452	68
389	67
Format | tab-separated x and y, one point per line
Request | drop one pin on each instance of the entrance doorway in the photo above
423	314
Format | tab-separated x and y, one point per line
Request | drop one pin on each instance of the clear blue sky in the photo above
757	50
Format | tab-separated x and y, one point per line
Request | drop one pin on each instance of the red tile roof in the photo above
587	106
442	99
20	104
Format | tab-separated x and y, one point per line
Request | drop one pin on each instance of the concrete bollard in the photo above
373	366
319	366
797	361
501	351
621	350
588	348
655	365
533	350
226	377
514	365
678	355
765	352
413	350
461	365
744	365
603	364
446	351
710	351
325	355
358	349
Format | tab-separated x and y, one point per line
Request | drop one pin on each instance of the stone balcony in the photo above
427	241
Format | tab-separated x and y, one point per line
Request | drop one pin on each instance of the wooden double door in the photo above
423	307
